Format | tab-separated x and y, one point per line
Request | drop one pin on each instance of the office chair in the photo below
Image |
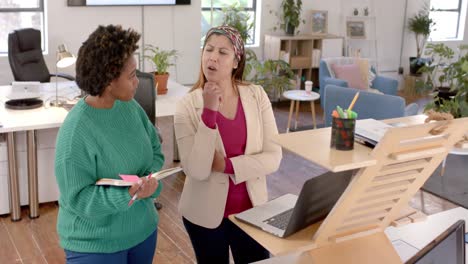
26	59
146	96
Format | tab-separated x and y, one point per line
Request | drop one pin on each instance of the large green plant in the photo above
291	12
275	76
289	16
448	72
237	18
161	59
421	25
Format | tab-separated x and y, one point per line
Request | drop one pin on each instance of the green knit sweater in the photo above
103	143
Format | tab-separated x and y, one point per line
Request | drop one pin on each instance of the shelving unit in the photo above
367	45
302	52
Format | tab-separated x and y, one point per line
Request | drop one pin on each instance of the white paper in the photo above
404	250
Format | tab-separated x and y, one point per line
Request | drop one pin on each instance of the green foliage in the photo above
290	14
237	18
447	72
421	25
273	75
161	59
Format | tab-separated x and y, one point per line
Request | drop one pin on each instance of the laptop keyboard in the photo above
280	220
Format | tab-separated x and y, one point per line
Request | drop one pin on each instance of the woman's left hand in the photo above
219	163
148	187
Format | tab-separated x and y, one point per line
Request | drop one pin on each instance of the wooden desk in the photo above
388	177
417	235
314	145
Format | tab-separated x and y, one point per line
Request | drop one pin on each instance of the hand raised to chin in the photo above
212	96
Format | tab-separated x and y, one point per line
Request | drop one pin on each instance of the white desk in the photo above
421	233
43	118
30	121
166	105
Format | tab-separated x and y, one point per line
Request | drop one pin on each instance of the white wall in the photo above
164	26
178	27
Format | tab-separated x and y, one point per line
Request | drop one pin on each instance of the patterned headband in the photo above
233	35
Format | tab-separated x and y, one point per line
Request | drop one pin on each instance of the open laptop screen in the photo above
447	248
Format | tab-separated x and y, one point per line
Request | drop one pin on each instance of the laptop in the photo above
24	90
290	213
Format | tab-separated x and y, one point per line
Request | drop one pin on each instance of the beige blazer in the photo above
205	192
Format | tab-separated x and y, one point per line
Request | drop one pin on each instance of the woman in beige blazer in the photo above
223	129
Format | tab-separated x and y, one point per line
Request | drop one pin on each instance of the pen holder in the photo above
342	133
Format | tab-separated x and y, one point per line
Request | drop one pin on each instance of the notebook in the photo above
290	213
126	182
370	131
24	90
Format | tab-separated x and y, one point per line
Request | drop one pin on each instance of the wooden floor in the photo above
36	241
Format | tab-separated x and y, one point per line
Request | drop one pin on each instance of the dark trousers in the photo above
212	245
142	253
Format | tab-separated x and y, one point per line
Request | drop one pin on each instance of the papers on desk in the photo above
370	131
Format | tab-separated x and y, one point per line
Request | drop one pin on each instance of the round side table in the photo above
296	96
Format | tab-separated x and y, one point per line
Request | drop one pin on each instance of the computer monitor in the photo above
447	248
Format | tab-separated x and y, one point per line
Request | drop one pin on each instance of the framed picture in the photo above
319	22
355	29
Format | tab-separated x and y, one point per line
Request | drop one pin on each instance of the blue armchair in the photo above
385	85
368	105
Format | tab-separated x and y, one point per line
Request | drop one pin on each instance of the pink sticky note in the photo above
129	178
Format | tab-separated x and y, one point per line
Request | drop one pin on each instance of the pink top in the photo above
234	136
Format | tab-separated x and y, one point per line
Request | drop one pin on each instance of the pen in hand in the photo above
135	196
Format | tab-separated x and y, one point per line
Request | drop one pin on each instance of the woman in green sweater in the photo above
106	134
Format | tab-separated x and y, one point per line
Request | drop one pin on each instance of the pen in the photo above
353	102
135	196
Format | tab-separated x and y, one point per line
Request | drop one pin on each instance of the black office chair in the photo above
25	57
146	96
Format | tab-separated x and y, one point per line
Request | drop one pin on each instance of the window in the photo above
16	14
212	10
449	16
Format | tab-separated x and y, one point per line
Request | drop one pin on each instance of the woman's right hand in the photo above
212	96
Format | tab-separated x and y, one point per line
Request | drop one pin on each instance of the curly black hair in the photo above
102	56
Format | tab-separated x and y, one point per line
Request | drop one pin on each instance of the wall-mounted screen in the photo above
126	2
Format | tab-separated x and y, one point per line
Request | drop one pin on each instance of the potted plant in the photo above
275	76
239	19
161	60
421	25
449	78
291	15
